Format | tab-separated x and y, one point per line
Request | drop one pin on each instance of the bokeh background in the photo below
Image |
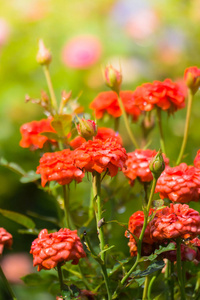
150	40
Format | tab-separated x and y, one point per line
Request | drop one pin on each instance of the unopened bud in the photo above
66	96
113	78
86	128
157	165
192	78
43	56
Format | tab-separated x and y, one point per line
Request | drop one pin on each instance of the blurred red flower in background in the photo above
197	160
167	95
106	102
6	239
100	156
31	133
82	51
59	166
175	221
179	184
137	165
49	249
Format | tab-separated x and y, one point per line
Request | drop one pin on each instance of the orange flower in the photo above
135	227
167	95
137	165
49	249
31	133
100	156
175	221
106	102
103	134
179	184
6	239
59	166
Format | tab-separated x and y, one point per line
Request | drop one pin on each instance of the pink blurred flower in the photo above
4	31
15	266
82	51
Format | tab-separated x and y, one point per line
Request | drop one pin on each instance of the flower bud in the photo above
192	78
113	78
86	128
157	165
43	56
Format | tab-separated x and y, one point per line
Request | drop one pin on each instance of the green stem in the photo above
187	123
7	285
66	206
139	244
171	280
150	287
127	123
179	269
60	277
146	285
116	124
98	213
50	87
159	119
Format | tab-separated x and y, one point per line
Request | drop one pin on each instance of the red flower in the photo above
167	95
100	155
197	160
59	166
103	134
135	227
49	249
179	184
106	102
175	221
31	133
192	78
137	165
6	239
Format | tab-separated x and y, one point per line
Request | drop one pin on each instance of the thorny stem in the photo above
159	119
7	285
187	123
127	123
98	213
50	87
179	269
139	244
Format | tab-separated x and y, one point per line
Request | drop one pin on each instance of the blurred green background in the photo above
150	40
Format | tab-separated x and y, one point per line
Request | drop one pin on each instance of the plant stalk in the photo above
50	87
187	123
179	269
66	206
159	119
7	285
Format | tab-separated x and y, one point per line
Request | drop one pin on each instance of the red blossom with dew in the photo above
100	156
166	95
49	249
6	239
59	166
176	221
179	184
31	133
137	165
106	102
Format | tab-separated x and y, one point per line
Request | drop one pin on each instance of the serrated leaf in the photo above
18	218
140	281
12	166
30	176
169	247
151	269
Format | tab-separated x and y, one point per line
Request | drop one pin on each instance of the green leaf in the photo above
35	279
18	218
107	249
51	135
151	269
12	166
62	124
169	247
30	176
140	281
44	218
29	231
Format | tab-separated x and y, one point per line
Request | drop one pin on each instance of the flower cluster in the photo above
100	156
103	134
137	165
106	102
49	249
179	184
31	133
166	95
59	166
6	239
